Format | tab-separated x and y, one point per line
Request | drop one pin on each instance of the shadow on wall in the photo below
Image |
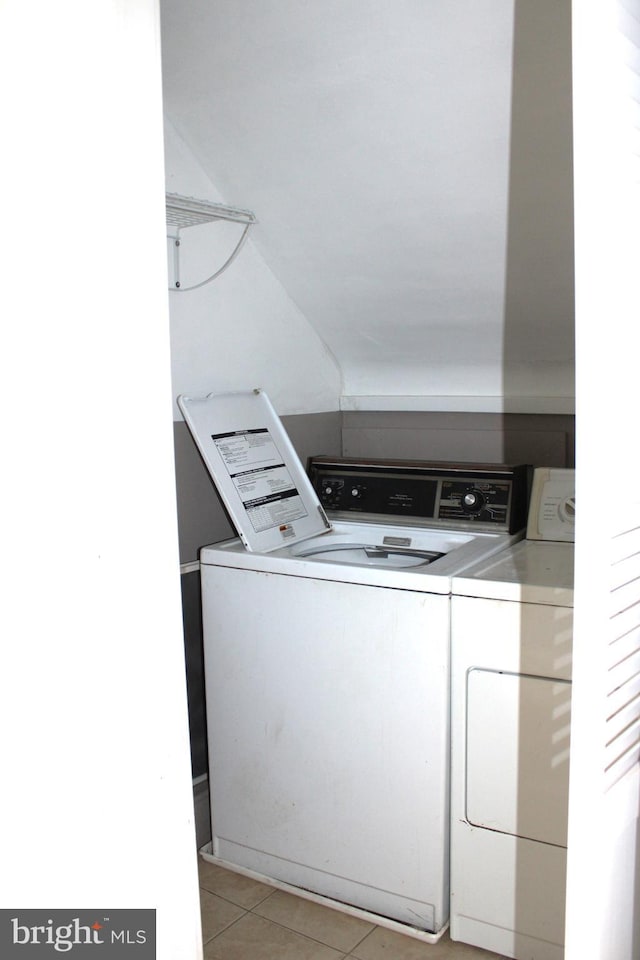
539	359
539	341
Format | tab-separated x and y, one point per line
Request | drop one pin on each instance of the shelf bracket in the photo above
183	212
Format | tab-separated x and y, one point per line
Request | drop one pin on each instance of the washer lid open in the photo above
255	468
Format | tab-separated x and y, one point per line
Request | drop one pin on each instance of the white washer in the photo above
512	623
327	671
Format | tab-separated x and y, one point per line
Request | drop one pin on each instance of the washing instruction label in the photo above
258	472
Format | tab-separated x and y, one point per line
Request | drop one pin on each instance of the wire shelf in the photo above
185	212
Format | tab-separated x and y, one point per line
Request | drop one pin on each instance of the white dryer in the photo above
327	660
512	622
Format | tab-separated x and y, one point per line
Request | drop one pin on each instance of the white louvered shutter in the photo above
603	890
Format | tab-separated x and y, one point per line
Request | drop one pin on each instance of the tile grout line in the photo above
283	926
368	934
227	926
321	943
307	936
233	902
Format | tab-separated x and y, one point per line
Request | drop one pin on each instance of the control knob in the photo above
472	501
331	489
567	510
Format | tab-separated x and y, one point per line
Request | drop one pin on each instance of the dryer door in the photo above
518	754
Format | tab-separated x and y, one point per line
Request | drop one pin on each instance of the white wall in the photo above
422	233
242	330
97	807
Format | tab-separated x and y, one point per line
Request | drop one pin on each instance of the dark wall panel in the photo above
192	625
540	439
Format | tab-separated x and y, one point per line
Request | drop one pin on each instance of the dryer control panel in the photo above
493	496
552	515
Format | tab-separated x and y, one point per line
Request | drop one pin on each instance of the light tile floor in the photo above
243	919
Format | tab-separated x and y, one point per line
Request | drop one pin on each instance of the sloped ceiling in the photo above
373	140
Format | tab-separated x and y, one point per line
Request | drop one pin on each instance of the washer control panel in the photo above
486	500
492	495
